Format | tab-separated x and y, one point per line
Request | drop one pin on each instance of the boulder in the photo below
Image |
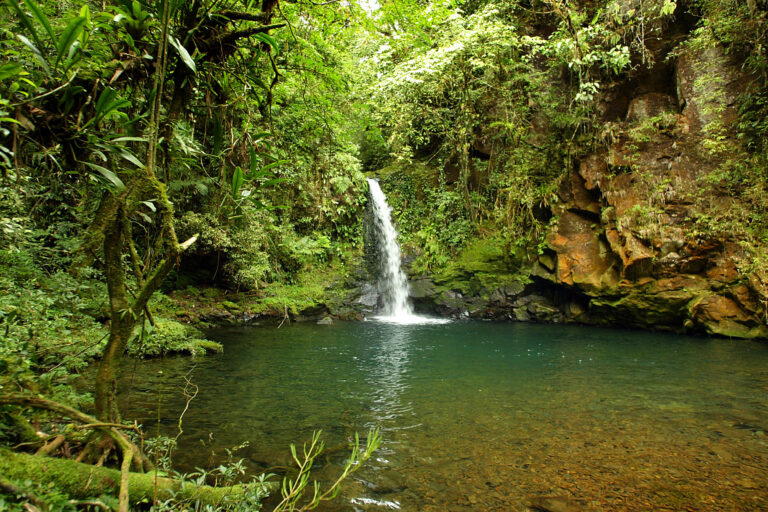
723	316
593	169
636	258
422	287
513	289
579	197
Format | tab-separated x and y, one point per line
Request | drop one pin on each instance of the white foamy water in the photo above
392	283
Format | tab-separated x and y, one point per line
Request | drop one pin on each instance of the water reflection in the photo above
387	368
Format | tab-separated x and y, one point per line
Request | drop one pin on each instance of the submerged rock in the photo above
553	504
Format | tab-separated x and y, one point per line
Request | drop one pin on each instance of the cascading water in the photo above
392	283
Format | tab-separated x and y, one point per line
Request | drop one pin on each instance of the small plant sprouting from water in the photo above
293	490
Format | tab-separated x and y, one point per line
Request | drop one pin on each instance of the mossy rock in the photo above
482	267
231	306
209	346
170	337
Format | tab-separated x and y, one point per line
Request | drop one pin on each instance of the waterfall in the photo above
393	285
392	282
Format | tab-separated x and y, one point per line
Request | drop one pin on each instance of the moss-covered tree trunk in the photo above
84	481
122	318
124	312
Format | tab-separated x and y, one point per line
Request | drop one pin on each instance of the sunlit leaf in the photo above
10	69
35	52
129	139
183	53
131	158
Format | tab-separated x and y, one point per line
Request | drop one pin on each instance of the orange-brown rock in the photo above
636	257
722	316
582	258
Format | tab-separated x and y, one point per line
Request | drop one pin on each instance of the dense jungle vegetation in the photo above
169	163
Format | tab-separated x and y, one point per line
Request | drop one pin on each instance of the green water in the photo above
479	416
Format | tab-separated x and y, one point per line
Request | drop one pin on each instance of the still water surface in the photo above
482	416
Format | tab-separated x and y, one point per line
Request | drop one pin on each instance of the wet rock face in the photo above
708	84
650	105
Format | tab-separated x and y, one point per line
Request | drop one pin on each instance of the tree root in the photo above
129	450
38	402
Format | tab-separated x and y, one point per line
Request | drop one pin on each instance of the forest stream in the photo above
480	416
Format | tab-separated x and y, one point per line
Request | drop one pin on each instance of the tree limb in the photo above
229	38
235	15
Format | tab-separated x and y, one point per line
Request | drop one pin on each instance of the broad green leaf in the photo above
261	136
104	99
183	53
237	181
131	158
68	38
107	104
115	182
266	38
10	69
129	139
85	12
254	159
72	56
41	18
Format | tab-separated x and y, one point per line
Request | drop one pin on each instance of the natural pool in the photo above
479	416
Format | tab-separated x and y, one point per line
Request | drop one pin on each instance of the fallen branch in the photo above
47	448
83	481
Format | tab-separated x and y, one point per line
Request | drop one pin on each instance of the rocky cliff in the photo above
641	232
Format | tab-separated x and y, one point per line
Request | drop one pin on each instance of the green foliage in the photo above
54	500
293	489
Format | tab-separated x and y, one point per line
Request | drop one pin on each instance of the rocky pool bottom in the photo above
481	416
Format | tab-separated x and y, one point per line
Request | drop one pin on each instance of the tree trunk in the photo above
122	321
83	481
